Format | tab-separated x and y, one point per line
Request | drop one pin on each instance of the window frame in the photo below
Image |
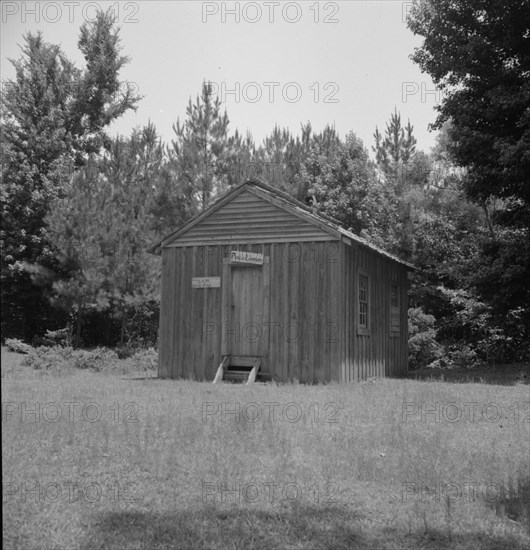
361	329
395	330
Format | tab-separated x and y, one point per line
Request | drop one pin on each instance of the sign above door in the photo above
246	257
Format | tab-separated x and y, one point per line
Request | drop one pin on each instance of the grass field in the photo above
103	462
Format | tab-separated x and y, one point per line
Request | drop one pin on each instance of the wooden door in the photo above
246	333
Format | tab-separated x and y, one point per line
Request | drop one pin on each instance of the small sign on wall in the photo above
246	257
206	282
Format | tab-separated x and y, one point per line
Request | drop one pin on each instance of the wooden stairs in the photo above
242	369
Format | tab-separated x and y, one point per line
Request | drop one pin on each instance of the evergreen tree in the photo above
401	167
395	151
33	140
53	115
198	155
104	226
283	154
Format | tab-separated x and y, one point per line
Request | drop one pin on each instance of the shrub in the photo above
125	351
59	337
461	356
18	346
58	358
145	359
49	359
96	360
52	338
424	350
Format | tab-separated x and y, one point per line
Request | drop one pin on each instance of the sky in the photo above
344	63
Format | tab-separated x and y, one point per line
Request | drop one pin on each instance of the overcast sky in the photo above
343	63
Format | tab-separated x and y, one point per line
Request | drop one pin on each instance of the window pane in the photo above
394	296
363	301
394	308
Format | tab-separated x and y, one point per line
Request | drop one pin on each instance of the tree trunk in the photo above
77	342
122	331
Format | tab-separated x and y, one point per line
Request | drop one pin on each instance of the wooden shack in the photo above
259	285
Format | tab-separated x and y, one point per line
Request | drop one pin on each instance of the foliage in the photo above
61	337
424	350
482	70
397	147
97	360
341	181
65	358
280	158
18	346
402	171
60	358
49	359
52	116
141	328
145	359
103	226
202	157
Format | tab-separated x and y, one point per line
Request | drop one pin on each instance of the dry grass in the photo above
183	472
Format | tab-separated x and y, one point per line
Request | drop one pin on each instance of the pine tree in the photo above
395	151
401	168
53	116
198	155
283	154
104	226
33	140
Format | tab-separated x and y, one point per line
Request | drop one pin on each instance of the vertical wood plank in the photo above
225	308
178	336
320	312
355	338
196	297
344	288
291	327
264	344
334	361
164	361
275	298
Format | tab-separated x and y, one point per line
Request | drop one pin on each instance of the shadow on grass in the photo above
514	501
502	375
308	527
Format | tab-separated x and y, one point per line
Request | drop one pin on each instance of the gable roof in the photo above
285	202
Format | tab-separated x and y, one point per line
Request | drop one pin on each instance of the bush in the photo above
96	360
49	359
52	338
145	359
58	358
125	351
424	350
18	346
461	356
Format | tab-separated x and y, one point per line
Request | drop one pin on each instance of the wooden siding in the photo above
249	218
378	351
304	336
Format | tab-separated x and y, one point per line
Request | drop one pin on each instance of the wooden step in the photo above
235	376
243	360
237	368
